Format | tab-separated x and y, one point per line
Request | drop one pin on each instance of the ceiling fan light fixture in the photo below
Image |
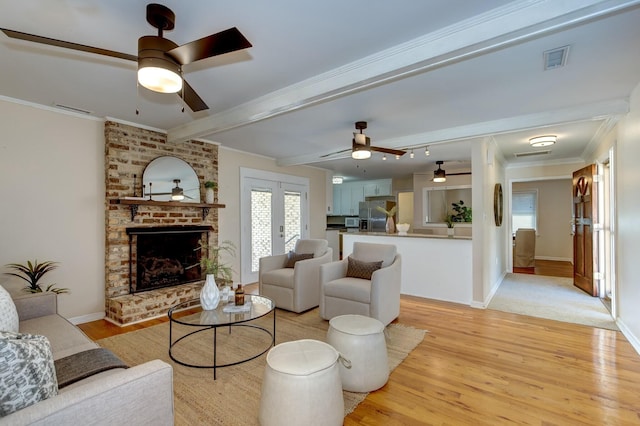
337	180
540	141
360	144
439	175
156	71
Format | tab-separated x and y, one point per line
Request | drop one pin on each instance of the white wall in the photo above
627	177
553	240
52	192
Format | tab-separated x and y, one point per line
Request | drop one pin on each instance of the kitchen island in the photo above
433	266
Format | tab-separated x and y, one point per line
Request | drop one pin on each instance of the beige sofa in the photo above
141	394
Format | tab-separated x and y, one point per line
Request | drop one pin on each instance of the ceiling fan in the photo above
440	175
160	60
361	145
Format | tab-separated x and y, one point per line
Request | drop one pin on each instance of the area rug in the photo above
552	298
234	398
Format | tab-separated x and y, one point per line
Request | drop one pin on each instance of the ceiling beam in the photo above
513	23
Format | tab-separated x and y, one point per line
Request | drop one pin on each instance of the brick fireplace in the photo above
128	150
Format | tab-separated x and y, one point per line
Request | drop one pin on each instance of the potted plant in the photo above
463	213
449	220
211	263
32	273
216	272
210	188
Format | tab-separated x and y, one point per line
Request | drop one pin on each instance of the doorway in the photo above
274	215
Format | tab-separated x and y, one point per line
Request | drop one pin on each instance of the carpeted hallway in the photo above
550	297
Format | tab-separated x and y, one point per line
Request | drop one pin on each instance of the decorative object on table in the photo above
234	309
390	225
226	293
239	296
210	188
32	273
211	260
210	294
402	228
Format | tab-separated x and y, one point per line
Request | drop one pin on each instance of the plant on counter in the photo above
389	212
32	273
463	213
449	220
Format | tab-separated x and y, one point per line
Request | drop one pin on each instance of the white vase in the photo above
209	295
450	232
208	196
390	226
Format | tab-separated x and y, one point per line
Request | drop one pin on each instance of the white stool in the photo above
360	340
301	385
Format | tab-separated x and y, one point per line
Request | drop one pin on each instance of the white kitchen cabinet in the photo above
346	198
375	188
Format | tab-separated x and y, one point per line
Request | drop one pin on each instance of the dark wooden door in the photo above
585	212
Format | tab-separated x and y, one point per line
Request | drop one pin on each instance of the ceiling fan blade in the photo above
67	45
191	98
389	150
216	44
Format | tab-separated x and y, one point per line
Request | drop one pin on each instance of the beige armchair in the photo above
294	288
378	297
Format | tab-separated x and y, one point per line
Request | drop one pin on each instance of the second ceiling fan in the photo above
361	145
160	60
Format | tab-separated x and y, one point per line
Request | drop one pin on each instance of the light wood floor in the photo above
552	268
485	367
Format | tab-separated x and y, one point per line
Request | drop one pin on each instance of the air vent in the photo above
556	58
72	109
530	153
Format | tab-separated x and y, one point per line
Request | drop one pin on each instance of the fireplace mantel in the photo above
134	204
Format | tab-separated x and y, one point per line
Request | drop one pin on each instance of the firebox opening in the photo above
164	257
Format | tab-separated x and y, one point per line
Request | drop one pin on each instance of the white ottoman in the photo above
360	340
301	385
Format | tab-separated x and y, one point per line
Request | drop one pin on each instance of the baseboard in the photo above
635	342
494	289
557	259
86	318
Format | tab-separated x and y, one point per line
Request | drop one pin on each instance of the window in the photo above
523	212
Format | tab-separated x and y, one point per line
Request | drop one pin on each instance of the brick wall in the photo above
128	150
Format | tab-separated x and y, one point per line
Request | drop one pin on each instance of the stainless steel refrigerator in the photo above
372	219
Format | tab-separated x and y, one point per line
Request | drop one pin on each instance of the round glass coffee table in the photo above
225	316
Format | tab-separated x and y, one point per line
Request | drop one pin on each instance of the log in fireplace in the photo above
164	256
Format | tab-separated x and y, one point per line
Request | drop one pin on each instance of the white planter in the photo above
208	196
450	232
209	295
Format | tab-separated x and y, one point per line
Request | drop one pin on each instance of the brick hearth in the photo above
128	150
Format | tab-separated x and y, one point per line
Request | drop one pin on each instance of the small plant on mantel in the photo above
32	273
211	263
211	185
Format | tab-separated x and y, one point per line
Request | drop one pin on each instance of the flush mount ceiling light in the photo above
540	141
177	193
361	144
337	180
439	175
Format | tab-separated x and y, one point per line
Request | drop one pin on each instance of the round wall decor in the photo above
497	204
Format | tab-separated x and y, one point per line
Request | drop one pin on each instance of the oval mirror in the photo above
170	178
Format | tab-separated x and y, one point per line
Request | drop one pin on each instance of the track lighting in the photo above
426	151
411	154
384	157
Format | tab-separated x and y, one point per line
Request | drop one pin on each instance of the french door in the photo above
274	216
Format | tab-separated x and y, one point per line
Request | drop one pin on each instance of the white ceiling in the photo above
442	73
